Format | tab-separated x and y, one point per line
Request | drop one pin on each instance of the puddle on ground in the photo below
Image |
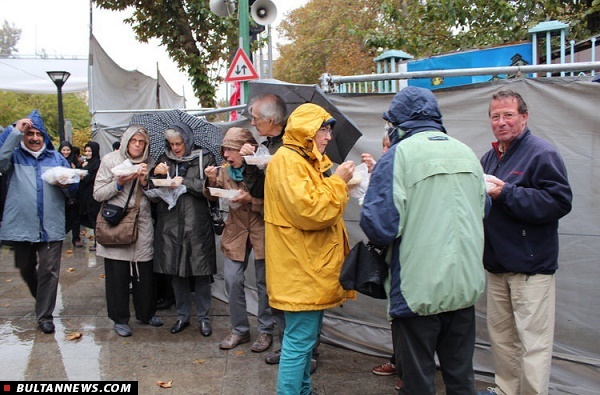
28	354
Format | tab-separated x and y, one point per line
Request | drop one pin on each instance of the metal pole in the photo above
270	51
244	21
582	66
61	120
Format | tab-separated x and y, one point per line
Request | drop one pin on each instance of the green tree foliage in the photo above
342	37
424	28
14	106
9	37
195	38
327	36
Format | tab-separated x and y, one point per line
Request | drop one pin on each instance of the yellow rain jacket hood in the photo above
301	129
306	238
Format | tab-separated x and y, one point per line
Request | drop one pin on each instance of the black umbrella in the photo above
206	134
345	132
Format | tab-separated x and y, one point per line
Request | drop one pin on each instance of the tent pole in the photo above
157	86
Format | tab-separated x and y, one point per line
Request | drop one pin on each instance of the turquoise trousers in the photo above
301	332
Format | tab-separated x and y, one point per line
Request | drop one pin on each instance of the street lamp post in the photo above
59	78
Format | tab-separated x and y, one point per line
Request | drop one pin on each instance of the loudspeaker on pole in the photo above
263	12
222	8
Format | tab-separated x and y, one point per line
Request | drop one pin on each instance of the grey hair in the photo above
269	105
172	133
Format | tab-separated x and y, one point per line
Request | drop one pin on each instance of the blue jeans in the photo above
302	329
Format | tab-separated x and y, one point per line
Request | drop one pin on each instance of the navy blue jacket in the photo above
521	229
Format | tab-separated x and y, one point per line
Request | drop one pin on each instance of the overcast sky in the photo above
62	27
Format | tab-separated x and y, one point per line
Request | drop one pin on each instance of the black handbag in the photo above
112	213
365	270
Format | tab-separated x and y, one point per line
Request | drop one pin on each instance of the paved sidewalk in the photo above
193	363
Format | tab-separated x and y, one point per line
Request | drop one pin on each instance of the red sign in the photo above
241	68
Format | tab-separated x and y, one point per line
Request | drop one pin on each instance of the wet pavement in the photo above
193	363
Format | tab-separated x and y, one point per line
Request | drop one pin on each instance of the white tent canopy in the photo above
29	75
116	93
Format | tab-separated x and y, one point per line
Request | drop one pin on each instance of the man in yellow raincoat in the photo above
306	238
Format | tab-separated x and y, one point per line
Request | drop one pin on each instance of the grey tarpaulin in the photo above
563	110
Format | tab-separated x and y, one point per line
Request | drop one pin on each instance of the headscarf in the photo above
94	161
127	135
186	134
235	138
72	158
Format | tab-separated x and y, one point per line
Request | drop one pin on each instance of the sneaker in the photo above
154	321
78	244
262	342
386	369
123	330
398	385
92	248
488	391
273	359
233	340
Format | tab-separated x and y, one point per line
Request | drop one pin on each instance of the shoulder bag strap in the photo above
138	196
131	193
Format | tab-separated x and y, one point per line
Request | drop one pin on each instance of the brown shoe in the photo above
233	340
386	369
262	343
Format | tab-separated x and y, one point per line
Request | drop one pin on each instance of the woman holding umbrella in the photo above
184	239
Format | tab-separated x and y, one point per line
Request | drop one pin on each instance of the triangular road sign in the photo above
241	68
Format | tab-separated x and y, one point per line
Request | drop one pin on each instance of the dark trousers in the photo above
39	264
72	221
452	336
119	274
164	289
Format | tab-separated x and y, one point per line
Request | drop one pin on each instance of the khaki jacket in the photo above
105	190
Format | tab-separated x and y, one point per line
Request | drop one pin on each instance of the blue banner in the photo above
509	55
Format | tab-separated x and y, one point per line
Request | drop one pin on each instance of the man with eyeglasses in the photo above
268	116
34	214
530	192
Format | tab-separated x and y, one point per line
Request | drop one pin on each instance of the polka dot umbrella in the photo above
206	135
